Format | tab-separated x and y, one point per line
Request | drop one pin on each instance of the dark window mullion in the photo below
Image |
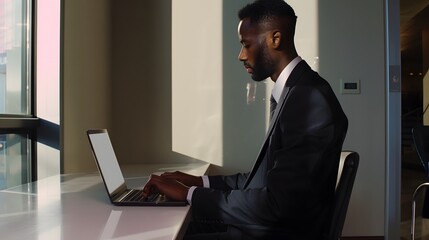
13	124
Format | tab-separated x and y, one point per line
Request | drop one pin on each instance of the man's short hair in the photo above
263	10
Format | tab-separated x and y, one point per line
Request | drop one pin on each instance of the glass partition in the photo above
15	163
15	57
15	92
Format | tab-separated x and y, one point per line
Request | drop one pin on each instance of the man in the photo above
289	192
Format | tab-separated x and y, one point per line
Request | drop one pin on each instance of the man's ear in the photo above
276	39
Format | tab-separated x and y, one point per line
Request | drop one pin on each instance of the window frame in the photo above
27	124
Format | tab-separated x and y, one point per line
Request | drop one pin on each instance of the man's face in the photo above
254	51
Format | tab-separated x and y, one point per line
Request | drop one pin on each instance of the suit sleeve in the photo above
301	171
227	183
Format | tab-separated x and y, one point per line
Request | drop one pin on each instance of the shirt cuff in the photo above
189	196
206	181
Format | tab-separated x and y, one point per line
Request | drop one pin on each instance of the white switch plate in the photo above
350	86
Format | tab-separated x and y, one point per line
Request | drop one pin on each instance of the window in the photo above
17	123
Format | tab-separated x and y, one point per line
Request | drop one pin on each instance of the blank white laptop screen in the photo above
107	161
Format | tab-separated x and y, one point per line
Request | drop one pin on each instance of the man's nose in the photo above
242	56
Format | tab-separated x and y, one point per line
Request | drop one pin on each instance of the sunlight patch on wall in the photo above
307	31
197	79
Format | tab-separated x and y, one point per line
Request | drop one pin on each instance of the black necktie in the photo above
273	105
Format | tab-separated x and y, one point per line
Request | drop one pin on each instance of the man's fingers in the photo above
167	186
147	190
153	176
151	185
170	174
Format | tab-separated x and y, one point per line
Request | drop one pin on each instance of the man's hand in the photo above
188	180
169	187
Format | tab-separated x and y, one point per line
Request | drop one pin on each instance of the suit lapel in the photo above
292	80
273	122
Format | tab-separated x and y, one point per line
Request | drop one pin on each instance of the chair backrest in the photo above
347	169
421	141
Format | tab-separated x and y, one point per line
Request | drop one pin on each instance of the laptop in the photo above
113	179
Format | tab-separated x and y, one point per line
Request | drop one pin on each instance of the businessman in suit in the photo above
289	193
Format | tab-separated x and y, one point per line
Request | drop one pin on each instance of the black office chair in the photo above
421	142
347	169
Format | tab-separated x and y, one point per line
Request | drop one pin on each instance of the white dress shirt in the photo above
281	80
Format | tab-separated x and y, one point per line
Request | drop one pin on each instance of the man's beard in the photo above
264	65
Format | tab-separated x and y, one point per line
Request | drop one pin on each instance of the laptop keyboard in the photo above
137	196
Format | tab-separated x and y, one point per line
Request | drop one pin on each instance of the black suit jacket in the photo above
289	192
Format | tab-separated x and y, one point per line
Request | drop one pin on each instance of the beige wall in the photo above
141	80
85	88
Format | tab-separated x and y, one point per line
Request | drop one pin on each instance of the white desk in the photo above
76	206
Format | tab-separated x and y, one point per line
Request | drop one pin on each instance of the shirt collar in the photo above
284	75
